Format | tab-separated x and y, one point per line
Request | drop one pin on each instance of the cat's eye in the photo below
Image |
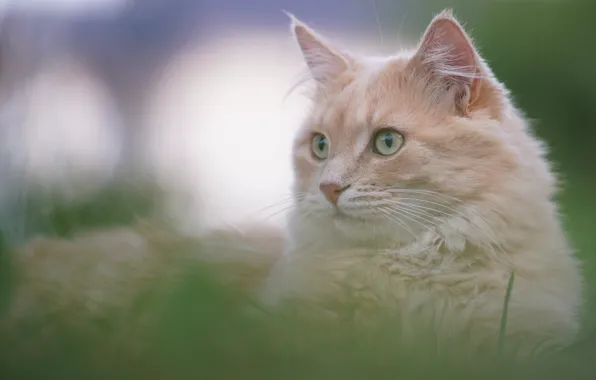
320	146
387	142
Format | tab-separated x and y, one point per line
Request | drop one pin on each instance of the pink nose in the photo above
332	191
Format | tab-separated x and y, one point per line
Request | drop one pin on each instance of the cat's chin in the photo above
349	224
369	232
344	230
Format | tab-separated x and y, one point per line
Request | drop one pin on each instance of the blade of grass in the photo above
503	326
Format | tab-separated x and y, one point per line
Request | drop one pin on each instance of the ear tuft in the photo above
446	13
324	62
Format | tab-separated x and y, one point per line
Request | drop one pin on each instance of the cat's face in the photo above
393	145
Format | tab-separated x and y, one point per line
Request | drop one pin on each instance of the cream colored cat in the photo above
418	190
420	187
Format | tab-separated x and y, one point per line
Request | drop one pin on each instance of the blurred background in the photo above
192	93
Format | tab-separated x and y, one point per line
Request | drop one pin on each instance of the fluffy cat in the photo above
419	190
419	187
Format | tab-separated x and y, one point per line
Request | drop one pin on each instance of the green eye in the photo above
320	146
387	142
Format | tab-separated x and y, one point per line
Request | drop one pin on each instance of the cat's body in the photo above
419	190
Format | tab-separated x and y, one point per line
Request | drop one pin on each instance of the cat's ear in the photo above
325	62
449	64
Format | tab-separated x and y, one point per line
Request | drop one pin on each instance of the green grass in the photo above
503	326
201	330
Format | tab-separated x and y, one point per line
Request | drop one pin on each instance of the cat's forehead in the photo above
373	96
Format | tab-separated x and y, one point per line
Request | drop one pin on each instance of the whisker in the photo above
287	203
291	198
440	196
459	216
424	222
419	211
446	203
374	5
397	212
395	218
454	213
418	214
270	216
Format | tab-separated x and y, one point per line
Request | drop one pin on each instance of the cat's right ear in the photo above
324	62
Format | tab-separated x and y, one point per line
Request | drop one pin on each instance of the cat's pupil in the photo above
322	144
388	140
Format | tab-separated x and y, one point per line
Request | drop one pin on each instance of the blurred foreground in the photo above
189	325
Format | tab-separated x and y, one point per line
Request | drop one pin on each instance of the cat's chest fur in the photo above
392	279
428	287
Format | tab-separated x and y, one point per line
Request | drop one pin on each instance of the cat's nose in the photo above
332	191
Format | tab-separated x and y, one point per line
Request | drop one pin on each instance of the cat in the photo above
419	186
419	191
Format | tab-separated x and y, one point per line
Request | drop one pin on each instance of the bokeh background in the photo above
195	95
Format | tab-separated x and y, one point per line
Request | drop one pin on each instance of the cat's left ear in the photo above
451	67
